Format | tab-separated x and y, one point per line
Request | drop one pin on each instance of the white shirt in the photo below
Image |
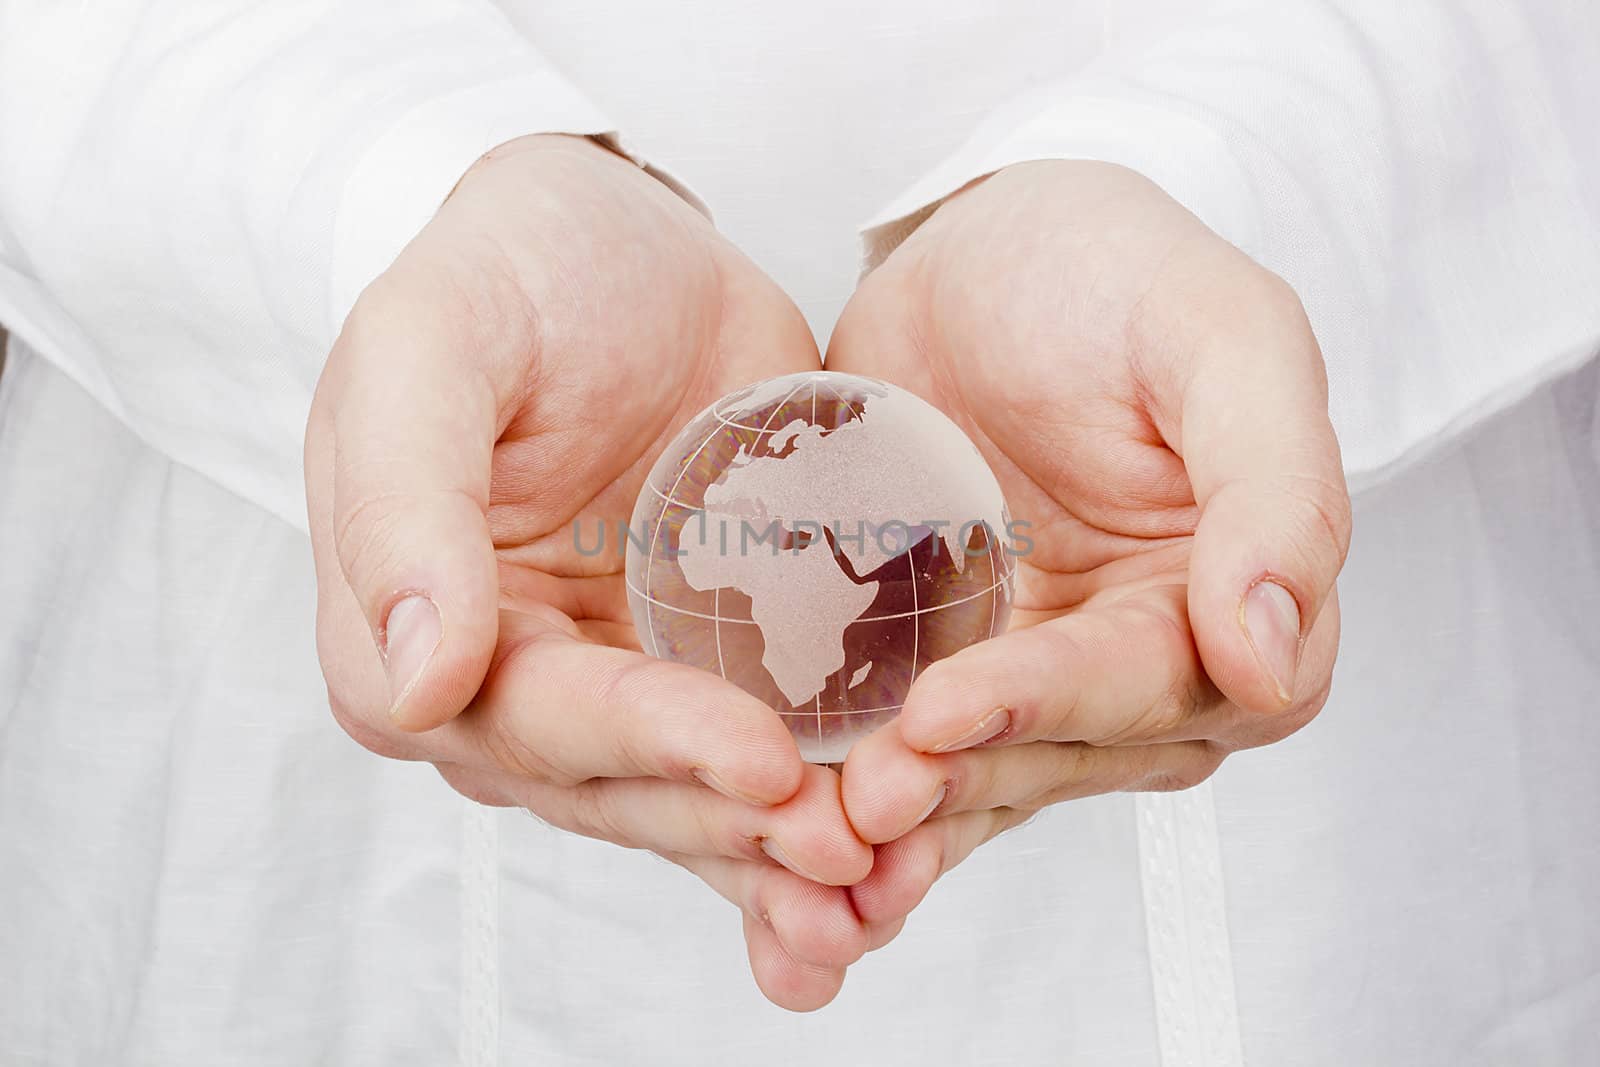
196	866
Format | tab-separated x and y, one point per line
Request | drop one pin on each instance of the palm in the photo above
513	375
569	467
618	352
1154	406
1048	390
584	312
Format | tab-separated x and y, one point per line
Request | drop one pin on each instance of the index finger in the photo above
1121	673
560	709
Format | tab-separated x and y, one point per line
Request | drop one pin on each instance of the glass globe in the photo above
819	539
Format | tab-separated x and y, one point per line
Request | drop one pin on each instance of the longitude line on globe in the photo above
755	429
717	619
916	615
818	696
840	397
994	572
662	518
716	628
851	711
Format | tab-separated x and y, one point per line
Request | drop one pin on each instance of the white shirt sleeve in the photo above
192	194
1426	174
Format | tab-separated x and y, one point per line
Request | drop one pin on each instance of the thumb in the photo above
1274	511
412	425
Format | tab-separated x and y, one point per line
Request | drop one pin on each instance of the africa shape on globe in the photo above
818	539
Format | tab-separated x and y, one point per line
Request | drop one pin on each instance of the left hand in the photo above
1155	405
511	377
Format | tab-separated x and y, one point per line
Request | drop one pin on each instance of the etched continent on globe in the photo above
818	539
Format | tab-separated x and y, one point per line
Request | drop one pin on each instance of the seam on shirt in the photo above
1186	923
479	1035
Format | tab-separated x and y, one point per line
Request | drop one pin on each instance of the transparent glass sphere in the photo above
819	539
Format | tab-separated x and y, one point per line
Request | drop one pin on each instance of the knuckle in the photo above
1054	794
361	730
1185	699
470	306
366	536
386	296
979	781
1326	512
1072	776
1279	296
587	814
1184	775
510	751
1060	647
474	788
623	690
596	812
1166	621
1256	731
758	896
1057	794
714	830
1061	643
944	855
937	685
1186	692
1007	819
1076	762
1280	311
1182	702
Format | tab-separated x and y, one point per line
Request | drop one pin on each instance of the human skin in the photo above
520	366
1155	404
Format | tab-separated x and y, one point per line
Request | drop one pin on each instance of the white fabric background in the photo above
197	867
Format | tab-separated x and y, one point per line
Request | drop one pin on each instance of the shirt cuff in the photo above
400	181
1182	155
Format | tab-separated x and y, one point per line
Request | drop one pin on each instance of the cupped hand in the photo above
1155	406
514	373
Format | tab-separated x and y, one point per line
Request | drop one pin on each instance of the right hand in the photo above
519	367
1154	403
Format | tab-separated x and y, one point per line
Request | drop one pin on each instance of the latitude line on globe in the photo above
649	558
655	538
868	618
762	429
725	415
846	711
670	502
741	425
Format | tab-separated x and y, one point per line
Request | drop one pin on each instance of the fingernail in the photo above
988	728
410	635
776	853
1271	620
709	779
